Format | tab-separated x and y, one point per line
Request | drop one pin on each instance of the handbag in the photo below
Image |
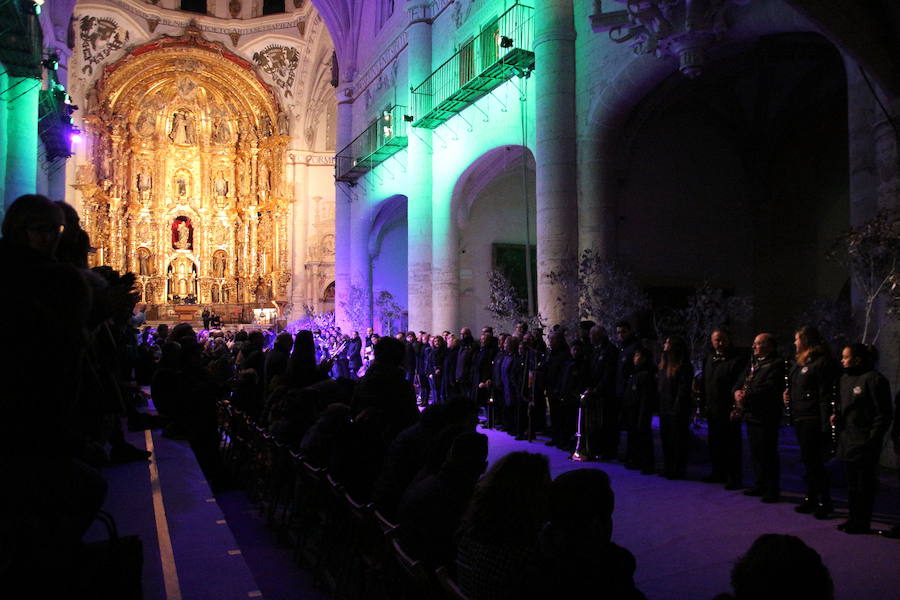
112	568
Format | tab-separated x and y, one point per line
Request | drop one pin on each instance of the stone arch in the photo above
489	211
634	78
747	186
387	257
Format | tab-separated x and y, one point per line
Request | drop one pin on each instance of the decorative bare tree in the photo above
870	252
708	308
505	305
832	318
355	307
607	290
312	320
388	311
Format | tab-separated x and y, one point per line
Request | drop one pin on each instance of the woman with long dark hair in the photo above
811	388
674	386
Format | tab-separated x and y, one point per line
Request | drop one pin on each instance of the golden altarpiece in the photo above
186	186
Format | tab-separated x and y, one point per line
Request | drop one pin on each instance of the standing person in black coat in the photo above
641	399
674	384
558	363
482	367
863	419
758	402
603	365
205	316
721	371
628	345
354	354
895	439
812	386
511	384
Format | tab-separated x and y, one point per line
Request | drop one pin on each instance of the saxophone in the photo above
738	408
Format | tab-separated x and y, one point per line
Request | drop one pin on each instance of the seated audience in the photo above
780	567
499	532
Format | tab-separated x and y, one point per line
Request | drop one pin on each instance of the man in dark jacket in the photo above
758	401
721	370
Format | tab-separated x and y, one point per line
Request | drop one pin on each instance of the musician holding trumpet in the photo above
810	386
758	402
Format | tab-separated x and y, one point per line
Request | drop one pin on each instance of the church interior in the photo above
429	166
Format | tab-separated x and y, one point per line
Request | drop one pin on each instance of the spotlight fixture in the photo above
506	42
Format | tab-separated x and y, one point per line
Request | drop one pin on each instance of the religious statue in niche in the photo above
183	129
182	185
144	124
284	125
143	262
144	181
220	185
219	264
214	294
263	183
182	234
265	125
221	132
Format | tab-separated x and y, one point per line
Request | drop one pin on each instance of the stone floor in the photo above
684	534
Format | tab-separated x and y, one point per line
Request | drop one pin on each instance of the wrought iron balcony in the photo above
384	137
501	50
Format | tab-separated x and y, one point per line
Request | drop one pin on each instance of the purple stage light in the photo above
76	138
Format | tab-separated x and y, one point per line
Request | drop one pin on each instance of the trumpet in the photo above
582	447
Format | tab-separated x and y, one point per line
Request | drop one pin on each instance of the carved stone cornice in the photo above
682	29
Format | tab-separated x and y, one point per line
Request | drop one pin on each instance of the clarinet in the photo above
788	410
738	408
833	425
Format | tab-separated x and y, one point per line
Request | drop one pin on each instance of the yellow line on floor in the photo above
166	555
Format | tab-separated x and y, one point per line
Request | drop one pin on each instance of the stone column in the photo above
300	239
445	276
555	156
418	177
342	196
21	137
360	261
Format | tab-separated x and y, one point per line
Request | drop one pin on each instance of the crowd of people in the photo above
394	418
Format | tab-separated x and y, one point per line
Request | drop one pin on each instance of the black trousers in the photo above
862	480
675	432
611	409
814	445
763	439
725	451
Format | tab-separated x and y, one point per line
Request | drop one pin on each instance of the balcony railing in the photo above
384	137
501	50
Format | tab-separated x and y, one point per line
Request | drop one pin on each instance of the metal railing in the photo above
381	139
502	42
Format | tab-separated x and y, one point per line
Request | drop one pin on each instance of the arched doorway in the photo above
494	209
388	264
753	198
